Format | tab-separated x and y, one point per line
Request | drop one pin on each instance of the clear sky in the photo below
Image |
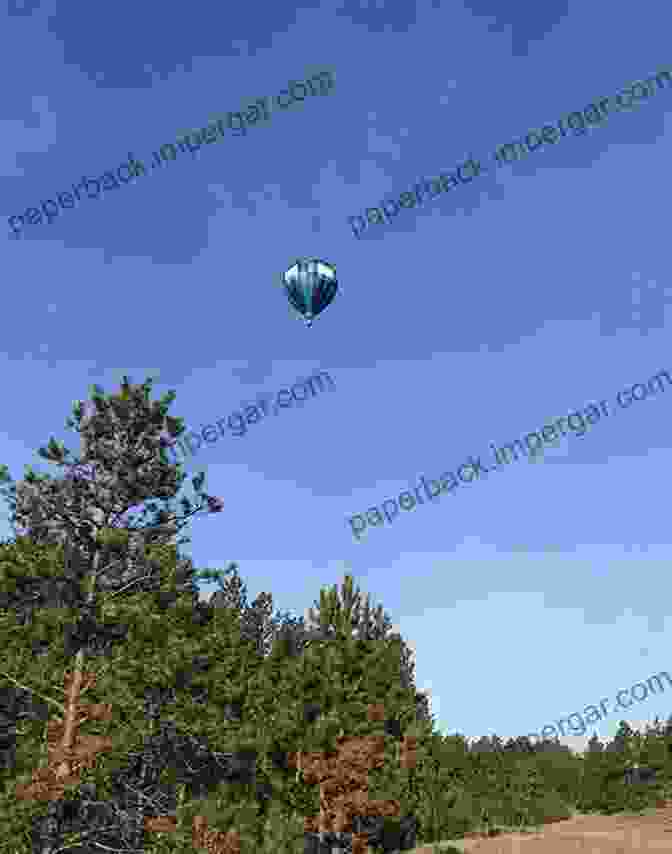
477	317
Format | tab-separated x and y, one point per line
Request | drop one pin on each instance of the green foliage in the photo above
258	687
22	559
452	790
116	539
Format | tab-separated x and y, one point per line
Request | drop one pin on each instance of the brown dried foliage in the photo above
343	781
69	752
343	778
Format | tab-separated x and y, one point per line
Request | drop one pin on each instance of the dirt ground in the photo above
584	834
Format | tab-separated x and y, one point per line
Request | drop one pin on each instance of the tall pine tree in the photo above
87	513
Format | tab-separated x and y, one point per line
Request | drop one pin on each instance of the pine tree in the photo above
365	623
123	463
256	621
86	514
347	662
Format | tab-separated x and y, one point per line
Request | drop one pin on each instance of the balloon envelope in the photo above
310	286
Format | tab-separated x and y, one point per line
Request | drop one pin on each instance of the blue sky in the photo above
478	317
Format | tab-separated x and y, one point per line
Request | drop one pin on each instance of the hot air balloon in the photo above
310	286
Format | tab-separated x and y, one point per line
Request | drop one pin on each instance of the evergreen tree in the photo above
348	661
368	624
86	515
123	463
256	621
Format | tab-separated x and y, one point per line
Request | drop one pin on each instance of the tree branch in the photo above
33	691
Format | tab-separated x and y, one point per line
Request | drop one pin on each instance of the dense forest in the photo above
135	716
